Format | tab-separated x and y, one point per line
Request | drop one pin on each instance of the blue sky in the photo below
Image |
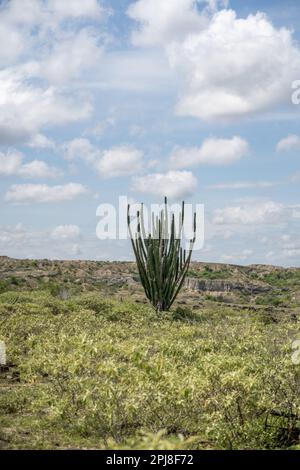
143	98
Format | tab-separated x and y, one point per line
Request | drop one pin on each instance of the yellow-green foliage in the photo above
96	373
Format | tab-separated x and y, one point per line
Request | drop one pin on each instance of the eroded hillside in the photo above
270	289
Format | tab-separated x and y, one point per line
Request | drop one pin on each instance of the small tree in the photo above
162	262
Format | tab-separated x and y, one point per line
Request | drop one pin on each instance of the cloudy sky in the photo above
185	98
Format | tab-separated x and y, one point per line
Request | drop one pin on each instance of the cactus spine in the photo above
162	262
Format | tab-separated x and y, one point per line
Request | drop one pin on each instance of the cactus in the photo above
162	262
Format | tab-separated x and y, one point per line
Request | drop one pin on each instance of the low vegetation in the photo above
210	274
90	371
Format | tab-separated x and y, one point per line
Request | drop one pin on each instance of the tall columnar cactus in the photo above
162	262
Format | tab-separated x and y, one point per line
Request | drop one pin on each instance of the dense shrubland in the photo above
92	372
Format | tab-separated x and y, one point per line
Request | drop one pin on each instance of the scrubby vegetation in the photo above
210	274
283	278
90	371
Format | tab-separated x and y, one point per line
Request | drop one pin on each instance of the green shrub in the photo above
3	286
185	314
270	300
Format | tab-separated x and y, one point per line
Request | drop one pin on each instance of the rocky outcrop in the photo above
204	285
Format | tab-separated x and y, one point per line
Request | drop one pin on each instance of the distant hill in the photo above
264	287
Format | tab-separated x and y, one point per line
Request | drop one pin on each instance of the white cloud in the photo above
24	109
257	213
23	242
48	14
291	142
212	152
76	8
40	141
14	44
65	232
174	184
11	164
119	161
42	193
40	25
218	62
214	56
11	234
80	149
110	163
69	56
38	169
47	44
163	21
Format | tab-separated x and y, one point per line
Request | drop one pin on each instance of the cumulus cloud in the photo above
11	164
11	234
14	44
21	241
119	161
257	213
47	44
217	63
291	142
164	21
40	141
38	169
80	149
215	56
50	11
42	193
109	163
75	9
173	184
28	108
212	152
69	57
65	232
